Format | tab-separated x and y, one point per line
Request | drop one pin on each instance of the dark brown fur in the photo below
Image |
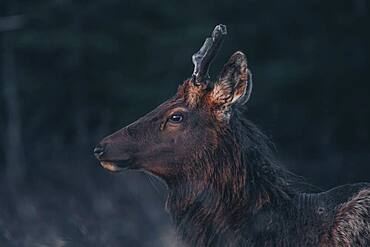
225	188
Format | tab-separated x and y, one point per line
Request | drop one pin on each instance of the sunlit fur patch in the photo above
192	93
110	166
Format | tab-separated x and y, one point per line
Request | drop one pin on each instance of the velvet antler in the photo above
203	58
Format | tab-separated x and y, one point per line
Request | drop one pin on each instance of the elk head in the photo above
169	141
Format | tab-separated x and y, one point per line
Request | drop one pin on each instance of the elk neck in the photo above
229	187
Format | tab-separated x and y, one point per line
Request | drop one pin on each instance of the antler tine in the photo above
203	58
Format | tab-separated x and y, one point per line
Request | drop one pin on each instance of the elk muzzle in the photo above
113	152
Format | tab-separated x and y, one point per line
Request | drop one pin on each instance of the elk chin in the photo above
110	166
115	166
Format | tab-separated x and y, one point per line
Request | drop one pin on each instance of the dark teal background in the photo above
83	69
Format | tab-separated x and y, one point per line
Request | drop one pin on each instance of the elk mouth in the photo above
116	165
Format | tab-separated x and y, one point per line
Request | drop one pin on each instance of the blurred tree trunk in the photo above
13	135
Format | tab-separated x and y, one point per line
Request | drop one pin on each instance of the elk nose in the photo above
99	151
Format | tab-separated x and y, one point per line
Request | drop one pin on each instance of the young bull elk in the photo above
224	186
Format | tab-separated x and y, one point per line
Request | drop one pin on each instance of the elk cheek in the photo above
160	171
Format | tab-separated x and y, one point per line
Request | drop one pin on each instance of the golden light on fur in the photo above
110	166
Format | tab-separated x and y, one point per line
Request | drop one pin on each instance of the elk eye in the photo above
176	118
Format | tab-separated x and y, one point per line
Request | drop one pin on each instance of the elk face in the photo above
159	142
168	141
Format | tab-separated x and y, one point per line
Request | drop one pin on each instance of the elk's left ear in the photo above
234	85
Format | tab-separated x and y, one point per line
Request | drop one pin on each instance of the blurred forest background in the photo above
74	71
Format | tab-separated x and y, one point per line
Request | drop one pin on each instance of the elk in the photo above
225	187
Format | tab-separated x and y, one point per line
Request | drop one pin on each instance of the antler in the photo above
203	58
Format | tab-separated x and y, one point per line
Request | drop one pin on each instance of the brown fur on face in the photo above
193	93
157	145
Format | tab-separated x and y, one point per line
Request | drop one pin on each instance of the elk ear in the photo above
234	85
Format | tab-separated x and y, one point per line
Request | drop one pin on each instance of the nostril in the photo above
99	151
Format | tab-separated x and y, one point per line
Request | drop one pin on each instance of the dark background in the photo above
74	71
